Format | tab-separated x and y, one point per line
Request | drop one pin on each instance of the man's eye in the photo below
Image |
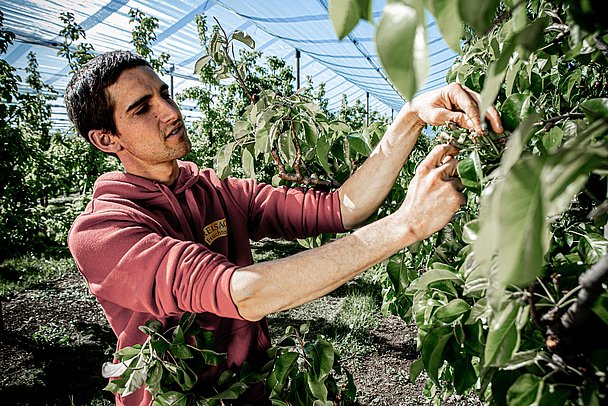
166	96
142	110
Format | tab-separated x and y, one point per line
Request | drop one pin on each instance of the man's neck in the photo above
165	173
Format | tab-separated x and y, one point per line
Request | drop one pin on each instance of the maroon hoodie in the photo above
149	251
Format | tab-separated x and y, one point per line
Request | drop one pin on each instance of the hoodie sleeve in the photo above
287	212
129	264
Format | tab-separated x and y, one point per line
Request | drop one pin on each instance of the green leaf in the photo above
186	377
241	129
503	337
311	134
567	172
128	352
247	162
465	375
322	354
359	143
447	15
452	310
155	375
282	367
233	392
514	109
345	14
531	37
317	388
470	231
262	141
432	350
552	140
201	63
503	61
435	275
491	87
468	174
478	14
523	235
181	351
323	152
211	357
136	380
243	37
592	247
172	399
287	149
525	391
223	167
398	274
600	307
517	142
595	109
416	368
401	41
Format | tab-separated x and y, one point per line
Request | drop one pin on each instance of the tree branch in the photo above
562	331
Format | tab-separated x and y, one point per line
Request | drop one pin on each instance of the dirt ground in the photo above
56	339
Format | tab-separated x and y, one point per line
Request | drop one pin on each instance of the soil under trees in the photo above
56	338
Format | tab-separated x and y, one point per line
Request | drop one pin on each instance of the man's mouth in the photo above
175	131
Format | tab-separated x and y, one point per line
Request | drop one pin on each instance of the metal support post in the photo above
297	69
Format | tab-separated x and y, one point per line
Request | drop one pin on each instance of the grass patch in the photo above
53	335
17	275
356	317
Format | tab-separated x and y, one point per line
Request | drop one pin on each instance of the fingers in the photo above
468	101
436	156
491	114
449	168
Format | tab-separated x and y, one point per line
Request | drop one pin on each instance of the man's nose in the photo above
169	111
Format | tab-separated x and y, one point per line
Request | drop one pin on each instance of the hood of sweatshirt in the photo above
126	187
121	185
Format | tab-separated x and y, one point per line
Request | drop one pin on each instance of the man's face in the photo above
149	124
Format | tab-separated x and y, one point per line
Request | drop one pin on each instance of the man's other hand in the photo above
434	194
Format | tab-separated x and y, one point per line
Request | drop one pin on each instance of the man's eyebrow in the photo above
163	88
138	102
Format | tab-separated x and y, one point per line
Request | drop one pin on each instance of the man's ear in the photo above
105	141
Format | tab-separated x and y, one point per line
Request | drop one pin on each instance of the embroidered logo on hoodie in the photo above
215	230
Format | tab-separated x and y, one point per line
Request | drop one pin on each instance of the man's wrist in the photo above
408	114
407	230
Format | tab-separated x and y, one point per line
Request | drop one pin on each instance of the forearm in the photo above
268	287
366	189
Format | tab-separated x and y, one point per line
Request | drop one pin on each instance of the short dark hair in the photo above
88	105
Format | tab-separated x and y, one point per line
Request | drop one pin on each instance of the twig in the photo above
601	45
551	122
532	304
298	177
236	73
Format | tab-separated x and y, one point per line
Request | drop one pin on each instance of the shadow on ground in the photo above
56	374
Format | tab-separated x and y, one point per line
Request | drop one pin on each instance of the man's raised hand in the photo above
456	103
